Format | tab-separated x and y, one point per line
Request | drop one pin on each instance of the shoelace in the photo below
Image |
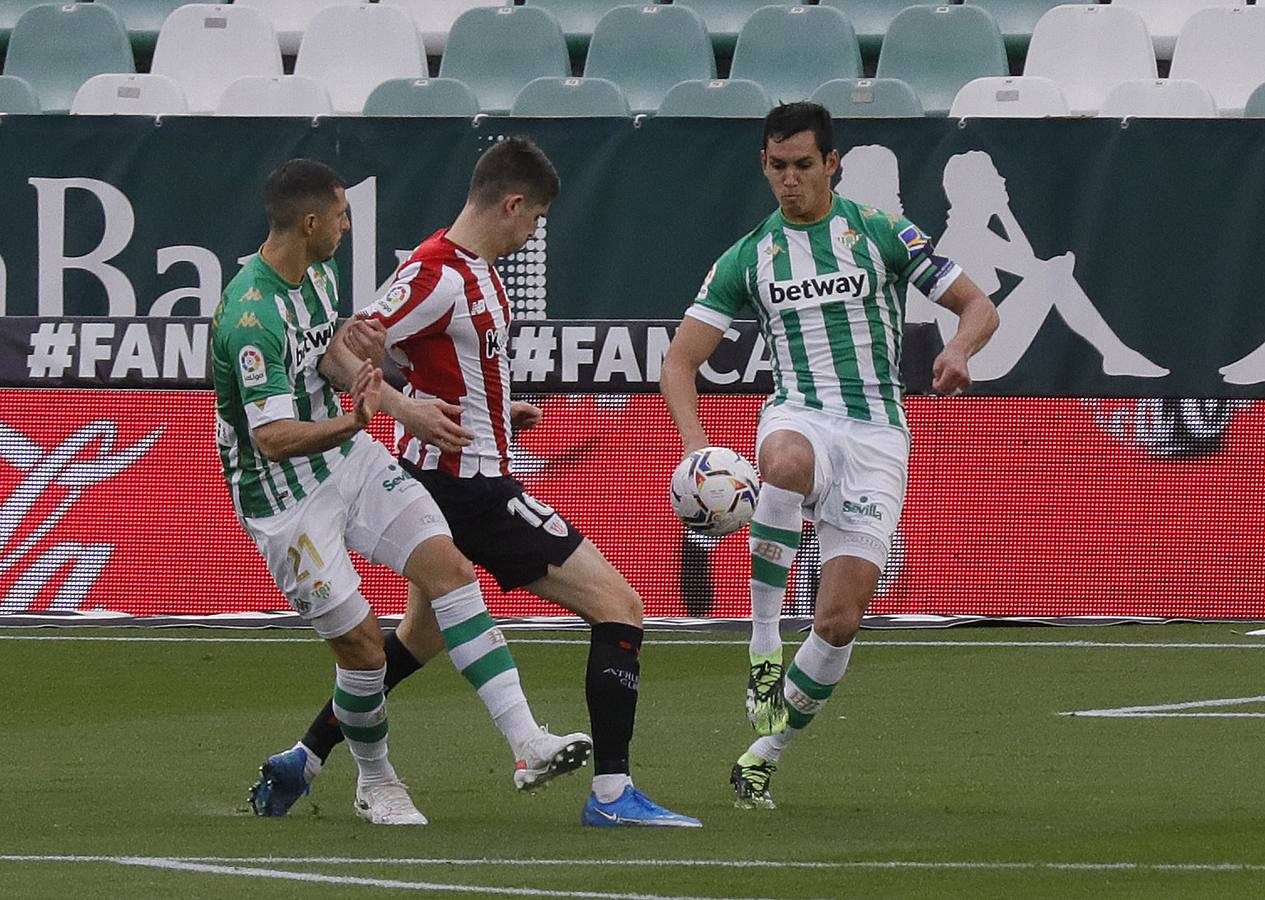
767	677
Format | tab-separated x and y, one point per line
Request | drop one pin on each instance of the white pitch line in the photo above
1173	710
1076	645
208	863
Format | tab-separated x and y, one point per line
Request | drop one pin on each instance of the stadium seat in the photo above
16	97
1017	18
143	19
1224	50
825	49
129	95
578	18
1165	18
496	51
648	49
290	18
1255	106
937	49
868	98
1159	98
275	95
205	47
1087	50
1031	97
870	20
435	18
57	47
10	12
729	98
570	97
723	19
422	97
353	49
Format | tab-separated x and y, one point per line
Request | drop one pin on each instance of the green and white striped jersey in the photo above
830	301
267	338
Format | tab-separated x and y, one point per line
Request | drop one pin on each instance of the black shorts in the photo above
498	526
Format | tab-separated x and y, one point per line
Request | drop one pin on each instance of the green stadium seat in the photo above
435	18
825	48
57	47
570	97
422	97
1255	108
16	96
724	19
868	98
870	20
648	49
143	19
730	98
938	49
497	50
578	18
1017	18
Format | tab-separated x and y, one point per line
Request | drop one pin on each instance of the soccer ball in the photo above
714	490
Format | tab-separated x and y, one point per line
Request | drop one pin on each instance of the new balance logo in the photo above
840	285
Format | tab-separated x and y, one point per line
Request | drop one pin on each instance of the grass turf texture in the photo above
925	755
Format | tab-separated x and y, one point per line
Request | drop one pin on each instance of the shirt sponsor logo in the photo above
821	287
311	345
251	362
495	341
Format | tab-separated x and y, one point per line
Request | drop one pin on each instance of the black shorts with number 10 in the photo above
500	527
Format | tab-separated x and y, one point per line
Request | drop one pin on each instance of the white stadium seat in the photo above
353	49
129	95
1159	98
1224	50
290	18
276	95
434	18
1165	18
204	47
1027	97
1088	50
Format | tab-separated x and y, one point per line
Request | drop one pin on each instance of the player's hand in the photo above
435	422
366	393
949	374
524	415
367	338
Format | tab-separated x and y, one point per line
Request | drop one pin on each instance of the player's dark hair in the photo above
296	188
788	119
513	165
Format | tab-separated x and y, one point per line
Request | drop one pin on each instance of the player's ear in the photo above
513	204
832	163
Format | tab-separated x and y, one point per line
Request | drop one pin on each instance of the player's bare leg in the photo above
847	587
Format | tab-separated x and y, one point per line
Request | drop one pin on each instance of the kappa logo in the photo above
842	285
248	320
251	296
251	362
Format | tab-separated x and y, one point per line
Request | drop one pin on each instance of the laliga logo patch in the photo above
251	362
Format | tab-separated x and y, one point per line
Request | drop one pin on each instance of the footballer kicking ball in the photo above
714	490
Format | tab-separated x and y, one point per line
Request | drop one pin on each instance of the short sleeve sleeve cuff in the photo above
709	316
270	409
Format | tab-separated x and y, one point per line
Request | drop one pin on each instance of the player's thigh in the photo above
306	554
791	451
589	586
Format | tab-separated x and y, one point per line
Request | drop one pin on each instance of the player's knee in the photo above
839	624
792	470
360	649
619	603
438	567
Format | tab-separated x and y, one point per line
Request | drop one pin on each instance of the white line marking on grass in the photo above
1173	710
1076	645
224	864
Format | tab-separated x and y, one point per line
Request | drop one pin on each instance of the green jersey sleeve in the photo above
257	353
911	257
726	291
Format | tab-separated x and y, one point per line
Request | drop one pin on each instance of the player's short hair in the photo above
296	188
787	119
514	165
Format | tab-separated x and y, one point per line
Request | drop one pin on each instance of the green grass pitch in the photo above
941	768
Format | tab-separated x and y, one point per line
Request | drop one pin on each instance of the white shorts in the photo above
368	504
860	471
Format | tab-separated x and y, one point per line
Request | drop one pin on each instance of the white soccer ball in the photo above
714	490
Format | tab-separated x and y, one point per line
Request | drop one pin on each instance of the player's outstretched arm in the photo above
692	345
285	438
978	320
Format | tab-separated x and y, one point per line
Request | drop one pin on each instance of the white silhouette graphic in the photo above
977	195
1249	370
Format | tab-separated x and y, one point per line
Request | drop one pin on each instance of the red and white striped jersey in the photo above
447	320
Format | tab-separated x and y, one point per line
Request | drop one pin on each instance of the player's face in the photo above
799	176
329	226
521	222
